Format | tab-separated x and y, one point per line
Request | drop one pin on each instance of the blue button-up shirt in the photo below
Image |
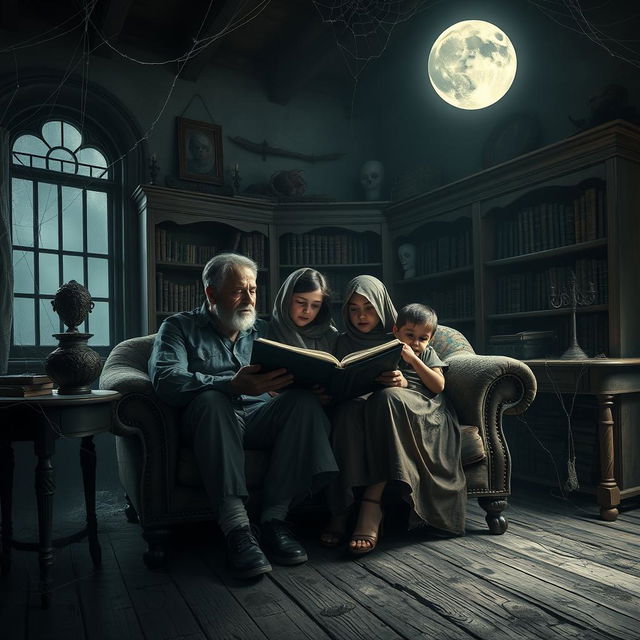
190	355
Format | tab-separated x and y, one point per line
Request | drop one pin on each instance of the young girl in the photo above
404	434
301	313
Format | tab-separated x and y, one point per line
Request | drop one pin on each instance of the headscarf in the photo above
319	335
376	293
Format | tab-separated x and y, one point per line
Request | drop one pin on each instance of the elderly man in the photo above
200	361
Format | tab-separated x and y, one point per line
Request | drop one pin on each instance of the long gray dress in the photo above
408	437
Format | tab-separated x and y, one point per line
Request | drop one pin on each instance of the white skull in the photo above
371	177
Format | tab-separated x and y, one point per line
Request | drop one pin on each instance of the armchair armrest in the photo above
472	380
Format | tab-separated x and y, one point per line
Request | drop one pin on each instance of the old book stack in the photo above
25	385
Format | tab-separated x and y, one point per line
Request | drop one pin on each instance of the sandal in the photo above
365	537
337	535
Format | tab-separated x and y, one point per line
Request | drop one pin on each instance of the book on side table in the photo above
25	385
350	377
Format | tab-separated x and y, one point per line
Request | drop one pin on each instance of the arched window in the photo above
62	224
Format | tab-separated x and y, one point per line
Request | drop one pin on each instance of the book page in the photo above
365	353
313	353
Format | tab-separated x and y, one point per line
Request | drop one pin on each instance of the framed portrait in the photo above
200	151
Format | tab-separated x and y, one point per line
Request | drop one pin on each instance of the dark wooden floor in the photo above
558	572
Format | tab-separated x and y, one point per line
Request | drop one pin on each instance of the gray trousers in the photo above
292	426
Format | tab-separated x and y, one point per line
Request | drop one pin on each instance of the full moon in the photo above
472	64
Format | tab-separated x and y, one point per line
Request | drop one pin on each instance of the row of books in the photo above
172	297
456	301
325	248
25	385
444	253
169	249
531	290
552	224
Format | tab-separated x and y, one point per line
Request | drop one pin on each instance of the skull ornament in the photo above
371	177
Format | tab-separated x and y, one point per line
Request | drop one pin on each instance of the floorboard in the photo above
558	573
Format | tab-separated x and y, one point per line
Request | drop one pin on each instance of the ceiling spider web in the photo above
363	27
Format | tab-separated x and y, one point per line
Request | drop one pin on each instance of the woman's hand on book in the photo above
392	379
249	381
323	398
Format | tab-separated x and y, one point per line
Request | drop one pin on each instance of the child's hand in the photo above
408	354
392	379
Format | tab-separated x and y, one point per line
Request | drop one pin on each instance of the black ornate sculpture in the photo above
73	366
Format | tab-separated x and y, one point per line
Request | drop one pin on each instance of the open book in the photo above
352	376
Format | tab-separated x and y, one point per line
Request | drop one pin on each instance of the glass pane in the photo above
52	133
31	145
98	277
97	225
24	321
22	212
99	325
71	138
49	323
23	275
72	269
72	219
61	160
48	215
49	275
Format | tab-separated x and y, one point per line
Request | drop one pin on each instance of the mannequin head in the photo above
407	257
371	177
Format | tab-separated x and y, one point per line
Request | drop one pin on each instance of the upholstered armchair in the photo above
160	476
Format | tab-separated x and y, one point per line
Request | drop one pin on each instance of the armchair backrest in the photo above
130	354
449	341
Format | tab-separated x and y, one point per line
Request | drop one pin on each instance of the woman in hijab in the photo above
301	313
395	436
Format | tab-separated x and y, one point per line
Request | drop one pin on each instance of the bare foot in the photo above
365	535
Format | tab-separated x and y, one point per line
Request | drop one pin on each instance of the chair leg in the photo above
130	511
156	554
494	507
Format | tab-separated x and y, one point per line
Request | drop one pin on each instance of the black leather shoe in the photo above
280	544
244	555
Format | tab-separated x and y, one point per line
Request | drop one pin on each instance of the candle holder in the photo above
571	296
154	168
235	178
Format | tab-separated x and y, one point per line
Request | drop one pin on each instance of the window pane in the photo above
49	273
91	158
72	269
23	275
24	322
61	160
97	226
48	215
22	212
71	138
99	325
98	277
72	219
31	145
52	133
49	323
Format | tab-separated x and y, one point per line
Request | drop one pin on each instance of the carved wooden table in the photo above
43	420
604	378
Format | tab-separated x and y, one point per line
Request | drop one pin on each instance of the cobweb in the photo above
363	27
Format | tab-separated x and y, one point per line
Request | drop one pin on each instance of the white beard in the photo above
236	321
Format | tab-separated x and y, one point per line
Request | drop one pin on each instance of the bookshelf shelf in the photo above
347	265
544	313
547	254
451	273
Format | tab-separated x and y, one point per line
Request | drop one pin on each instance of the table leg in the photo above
44	446
7	463
88	465
608	493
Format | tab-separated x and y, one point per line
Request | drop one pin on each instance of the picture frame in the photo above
200	151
